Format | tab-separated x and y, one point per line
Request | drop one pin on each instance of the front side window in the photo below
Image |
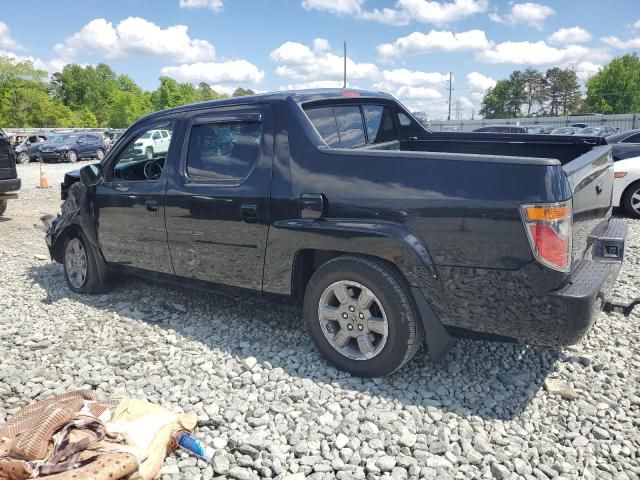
143	158
223	151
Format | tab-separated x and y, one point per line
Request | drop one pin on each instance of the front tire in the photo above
72	156
361	316
100	154
23	157
631	200
149	153
80	266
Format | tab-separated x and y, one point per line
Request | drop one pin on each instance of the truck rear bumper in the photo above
10	185
514	305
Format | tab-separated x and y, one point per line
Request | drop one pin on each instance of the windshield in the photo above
64	138
146	135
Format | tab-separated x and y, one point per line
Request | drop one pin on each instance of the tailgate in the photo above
591	179
7	159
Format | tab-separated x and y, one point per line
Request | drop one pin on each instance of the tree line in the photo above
90	96
614	89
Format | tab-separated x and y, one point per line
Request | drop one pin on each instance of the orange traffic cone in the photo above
44	183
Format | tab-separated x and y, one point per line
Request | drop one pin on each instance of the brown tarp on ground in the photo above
76	436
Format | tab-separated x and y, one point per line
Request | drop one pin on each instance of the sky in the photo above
404	47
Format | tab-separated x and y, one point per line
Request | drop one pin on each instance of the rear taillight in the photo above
548	227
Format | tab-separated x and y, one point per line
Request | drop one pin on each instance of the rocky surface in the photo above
285	413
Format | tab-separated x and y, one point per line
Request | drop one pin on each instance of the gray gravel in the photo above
287	414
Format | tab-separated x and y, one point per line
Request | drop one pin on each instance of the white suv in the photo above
153	142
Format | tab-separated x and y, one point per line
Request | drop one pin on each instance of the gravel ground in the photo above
485	413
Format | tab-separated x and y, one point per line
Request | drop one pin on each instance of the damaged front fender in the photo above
77	217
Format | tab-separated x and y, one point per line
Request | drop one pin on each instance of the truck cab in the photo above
9	181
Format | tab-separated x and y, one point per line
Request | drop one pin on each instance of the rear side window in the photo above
325	122
352	126
379	121
223	151
633	139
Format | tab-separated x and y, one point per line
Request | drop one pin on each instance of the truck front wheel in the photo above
80	266
361	316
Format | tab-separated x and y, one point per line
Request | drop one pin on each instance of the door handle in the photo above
249	212
121	188
152	205
312	205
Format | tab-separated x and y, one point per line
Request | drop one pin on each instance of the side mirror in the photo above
91	175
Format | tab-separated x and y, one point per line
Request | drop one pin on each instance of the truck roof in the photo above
299	96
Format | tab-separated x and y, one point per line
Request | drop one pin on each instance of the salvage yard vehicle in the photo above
9	181
626	155
339	200
29	149
71	147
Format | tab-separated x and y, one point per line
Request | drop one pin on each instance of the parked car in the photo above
340	201
565	131
29	149
9	181
71	147
626	157
154	143
580	125
501	129
597	131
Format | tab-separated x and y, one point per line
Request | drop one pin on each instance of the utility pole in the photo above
344	83
449	116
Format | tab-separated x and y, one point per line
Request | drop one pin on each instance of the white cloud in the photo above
6	41
410	85
49	66
418	42
135	36
569	36
427	11
529	13
538	53
637	24
585	70
301	63
479	82
615	42
230	71
215	5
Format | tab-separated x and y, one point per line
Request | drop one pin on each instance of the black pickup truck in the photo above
9	181
339	200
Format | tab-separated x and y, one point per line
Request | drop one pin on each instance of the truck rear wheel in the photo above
361	316
631	200
3	206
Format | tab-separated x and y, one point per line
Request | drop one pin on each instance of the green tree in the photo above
243	92
24	97
615	88
205	92
563	91
496	99
535	89
87	119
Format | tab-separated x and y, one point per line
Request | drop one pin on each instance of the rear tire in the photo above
631	200
3	207
23	158
353	342
80	266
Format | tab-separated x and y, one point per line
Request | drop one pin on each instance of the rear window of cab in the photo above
353	126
